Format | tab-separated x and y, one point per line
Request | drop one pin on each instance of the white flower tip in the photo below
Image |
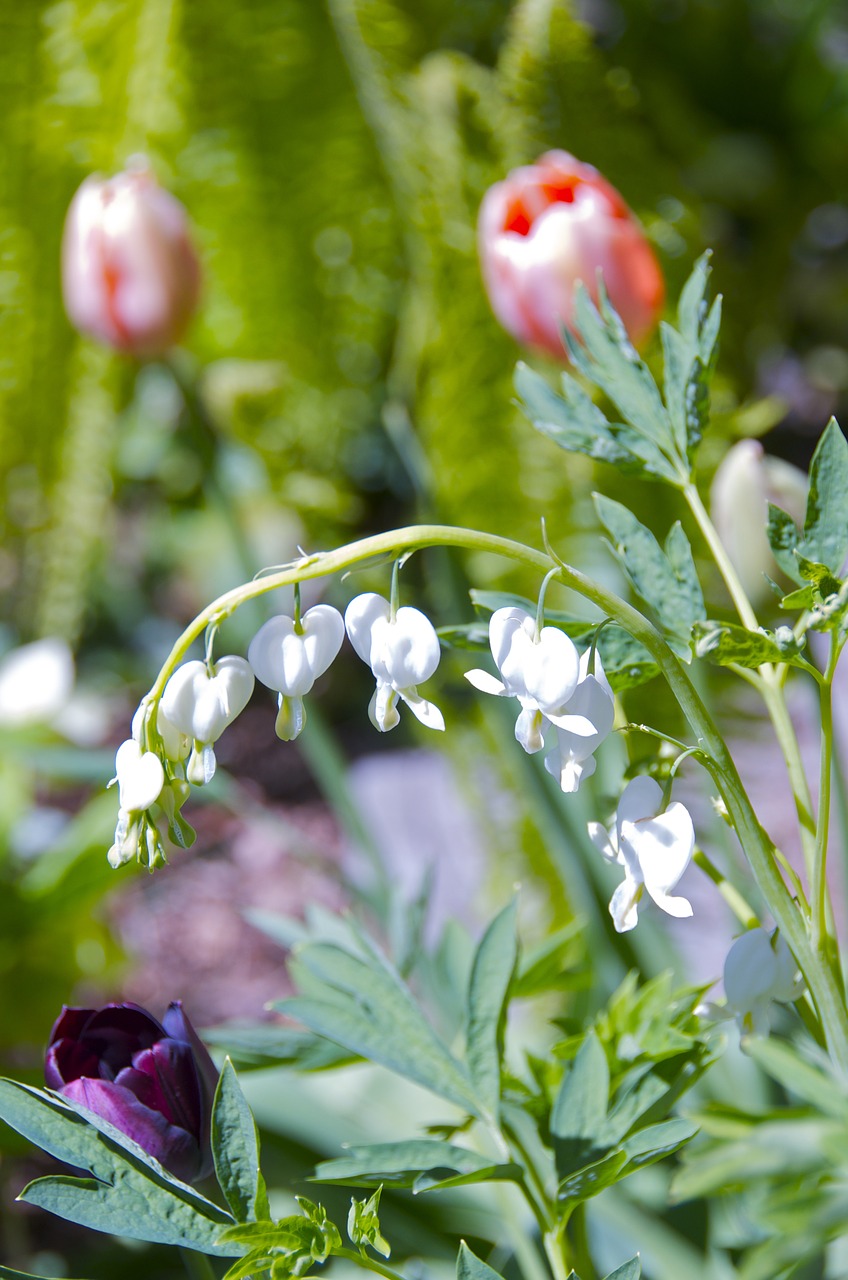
485	682
427	713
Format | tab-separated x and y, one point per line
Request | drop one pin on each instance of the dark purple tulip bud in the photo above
153	1081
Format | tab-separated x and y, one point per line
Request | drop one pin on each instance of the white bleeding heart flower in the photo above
291	660
759	970
592	708
654	848
201	704
139	775
402	652
175	743
540	668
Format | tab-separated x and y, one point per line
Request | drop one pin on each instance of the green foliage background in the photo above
332	155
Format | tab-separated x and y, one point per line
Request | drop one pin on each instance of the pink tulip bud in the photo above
550	224
130	274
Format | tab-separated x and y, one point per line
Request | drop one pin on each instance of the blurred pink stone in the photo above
130	273
550	224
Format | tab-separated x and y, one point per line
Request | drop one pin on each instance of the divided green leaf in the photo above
664	578
360	1002
491	974
235	1147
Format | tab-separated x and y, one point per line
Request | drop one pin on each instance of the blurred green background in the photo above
332	155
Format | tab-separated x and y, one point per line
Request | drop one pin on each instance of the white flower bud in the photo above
747	480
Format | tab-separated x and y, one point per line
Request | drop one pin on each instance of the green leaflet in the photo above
783	538
591	1179
363	1224
580	1110
491	973
689	355
631	1270
608	359
826	520
402	1164
664	578
235	1147
784	1064
470	1267
726	643
578	425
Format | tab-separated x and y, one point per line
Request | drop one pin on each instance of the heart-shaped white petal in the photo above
641	798
140	777
290	662
662	847
551	669
201	705
545	669
410	648
511	631
361	616
401	654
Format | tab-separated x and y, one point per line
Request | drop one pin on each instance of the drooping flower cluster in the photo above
540	666
156	767
557	690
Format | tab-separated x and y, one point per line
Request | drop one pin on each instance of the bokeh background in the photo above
332	155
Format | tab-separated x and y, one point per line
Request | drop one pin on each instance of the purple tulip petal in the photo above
70	1024
68	1060
117	1032
178	1027
173	1147
170	1064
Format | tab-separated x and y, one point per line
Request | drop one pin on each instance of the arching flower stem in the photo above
758	847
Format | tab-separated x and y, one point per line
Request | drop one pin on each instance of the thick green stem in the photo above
725	566
770	683
819	878
555	1249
